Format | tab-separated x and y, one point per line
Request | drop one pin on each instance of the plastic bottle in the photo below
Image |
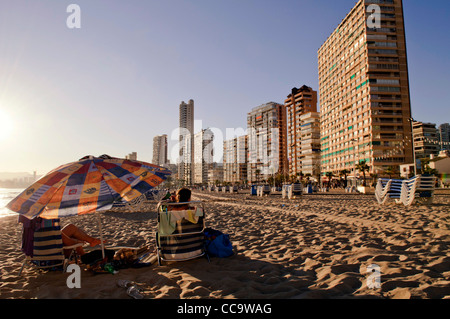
109	268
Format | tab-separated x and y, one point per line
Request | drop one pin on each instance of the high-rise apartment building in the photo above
160	150
267	152
235	159
186	158
426	139
132	156
203	156
310	143
215	175
301	101
364	89
444	136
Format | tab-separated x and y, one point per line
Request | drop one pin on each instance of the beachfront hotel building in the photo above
203	156
235	152
267	151
160	150
310	144
215	175
444	136
303	131
426	140
186	155
364	90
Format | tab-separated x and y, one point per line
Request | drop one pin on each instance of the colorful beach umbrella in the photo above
89	185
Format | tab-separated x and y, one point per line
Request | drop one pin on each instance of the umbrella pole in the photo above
101	234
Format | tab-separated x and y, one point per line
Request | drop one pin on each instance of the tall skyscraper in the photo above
235	159
364	90
302	101
160	150
444	136
426	139
310	143
186	142
266	130
203	156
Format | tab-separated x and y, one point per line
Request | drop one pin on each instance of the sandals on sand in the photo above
122	283
132	290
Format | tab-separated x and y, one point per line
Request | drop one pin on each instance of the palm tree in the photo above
363	167
392	170
374	179
426	169
344	173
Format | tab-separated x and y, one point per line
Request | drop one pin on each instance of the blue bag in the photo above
218	244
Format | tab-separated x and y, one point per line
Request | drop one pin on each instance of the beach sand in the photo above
311	247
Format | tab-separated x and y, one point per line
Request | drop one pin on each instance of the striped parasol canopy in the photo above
89	185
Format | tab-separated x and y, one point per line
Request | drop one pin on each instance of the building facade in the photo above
267	151
426	140
132	156
215	175
186	143
235	160
364	90
301	101
310	144
160	150
444	136
203	156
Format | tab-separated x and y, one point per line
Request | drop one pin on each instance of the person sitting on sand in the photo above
183	195
72	235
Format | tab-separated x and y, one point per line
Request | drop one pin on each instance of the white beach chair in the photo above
381	189
388	189
295	189
284	191
292	190
263	190
351	189
419	188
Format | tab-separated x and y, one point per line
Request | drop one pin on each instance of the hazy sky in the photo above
112	85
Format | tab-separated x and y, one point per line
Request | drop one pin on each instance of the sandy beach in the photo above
311	247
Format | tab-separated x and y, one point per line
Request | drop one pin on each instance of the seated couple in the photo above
183	195
170	222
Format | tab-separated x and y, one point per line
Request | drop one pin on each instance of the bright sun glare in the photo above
6	125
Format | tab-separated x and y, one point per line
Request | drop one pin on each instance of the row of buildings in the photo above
365	113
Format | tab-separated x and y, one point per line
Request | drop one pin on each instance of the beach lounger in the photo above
351	189
285	191
388	189
263	190
381	189
419	188
43	246
180	233
292	190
